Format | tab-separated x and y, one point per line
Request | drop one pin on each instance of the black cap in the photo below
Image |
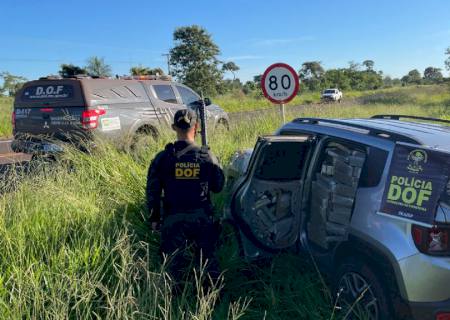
184	119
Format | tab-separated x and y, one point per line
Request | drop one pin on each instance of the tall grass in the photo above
238	102
5	117
422	95
75	243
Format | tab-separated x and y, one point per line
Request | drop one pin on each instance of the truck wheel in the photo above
143	137
222	126
360	292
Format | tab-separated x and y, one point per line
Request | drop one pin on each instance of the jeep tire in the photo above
360	292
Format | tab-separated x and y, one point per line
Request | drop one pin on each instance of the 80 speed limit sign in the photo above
279	83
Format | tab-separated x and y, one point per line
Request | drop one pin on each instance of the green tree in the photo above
145	71
447	61
387	82
249	87
351	78
337	78
413	77
230	66
70	70
311	74
353	66
369	64
11	83
433	75
97	67
194	59
232	85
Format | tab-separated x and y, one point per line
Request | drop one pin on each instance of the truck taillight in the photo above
443	316
89	118
13	119
432	241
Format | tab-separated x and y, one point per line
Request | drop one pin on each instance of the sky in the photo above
36	36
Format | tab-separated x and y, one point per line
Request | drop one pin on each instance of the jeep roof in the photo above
384	126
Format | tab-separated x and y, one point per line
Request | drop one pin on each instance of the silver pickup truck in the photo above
49	110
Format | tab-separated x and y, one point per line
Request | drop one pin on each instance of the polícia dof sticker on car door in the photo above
269	202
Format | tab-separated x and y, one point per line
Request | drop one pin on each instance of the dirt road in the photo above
8	157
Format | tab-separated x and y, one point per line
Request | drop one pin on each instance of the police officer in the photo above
185	174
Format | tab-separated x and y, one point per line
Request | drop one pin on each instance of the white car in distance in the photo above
331	95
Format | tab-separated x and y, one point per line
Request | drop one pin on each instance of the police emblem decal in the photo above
416	158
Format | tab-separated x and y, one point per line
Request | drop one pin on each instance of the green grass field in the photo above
75	245
5	117
424	96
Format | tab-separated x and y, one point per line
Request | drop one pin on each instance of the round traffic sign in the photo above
279	83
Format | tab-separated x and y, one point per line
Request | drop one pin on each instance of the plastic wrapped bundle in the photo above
333	195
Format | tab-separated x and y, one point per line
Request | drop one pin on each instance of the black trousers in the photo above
184	234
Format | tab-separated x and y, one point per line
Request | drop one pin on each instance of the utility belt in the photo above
189	215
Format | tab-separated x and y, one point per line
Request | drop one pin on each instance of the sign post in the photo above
280	85
283	116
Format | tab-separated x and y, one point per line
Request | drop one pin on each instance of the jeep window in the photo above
165	93
373	168
54	92
187	95
281	161
329	91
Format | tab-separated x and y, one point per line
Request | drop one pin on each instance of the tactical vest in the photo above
185	180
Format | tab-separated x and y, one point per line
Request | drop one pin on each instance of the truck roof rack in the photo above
399	116
163	77
393	136
51	77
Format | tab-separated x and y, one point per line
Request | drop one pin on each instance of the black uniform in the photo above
185	174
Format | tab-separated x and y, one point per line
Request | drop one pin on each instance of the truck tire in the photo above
222	126
361	292
143	136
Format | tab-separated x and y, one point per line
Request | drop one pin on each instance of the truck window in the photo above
165	93
53	92
187	95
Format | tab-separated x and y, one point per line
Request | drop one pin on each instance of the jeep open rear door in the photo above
267	206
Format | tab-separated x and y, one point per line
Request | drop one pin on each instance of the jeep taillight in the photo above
432	241
13	119
89	118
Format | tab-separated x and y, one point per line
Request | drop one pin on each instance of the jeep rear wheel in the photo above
360	292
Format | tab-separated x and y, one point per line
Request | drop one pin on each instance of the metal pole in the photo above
283	116
167	55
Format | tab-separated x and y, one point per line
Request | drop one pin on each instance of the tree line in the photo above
194	61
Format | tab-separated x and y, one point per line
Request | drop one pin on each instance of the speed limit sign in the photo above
279	84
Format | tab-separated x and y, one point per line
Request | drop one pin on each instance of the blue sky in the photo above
37	36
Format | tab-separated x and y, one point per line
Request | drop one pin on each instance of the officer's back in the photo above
186	174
